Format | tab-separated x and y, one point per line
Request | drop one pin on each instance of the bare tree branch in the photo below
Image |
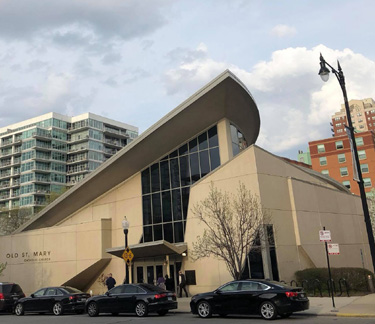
233	223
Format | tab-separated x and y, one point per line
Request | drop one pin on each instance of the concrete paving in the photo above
358	306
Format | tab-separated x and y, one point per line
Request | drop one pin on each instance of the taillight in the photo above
291	294
72	297
1	296
158	296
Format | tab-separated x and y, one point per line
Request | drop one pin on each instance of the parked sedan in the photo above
9	294
56	300
266	298
132	298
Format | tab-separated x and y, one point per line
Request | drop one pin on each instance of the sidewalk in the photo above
358	306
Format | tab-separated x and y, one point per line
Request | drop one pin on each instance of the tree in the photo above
11	219
2	267
233	223
371	205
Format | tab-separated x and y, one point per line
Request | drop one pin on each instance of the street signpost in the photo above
333	249
128	255
325	236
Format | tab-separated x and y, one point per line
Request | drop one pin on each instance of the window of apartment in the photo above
321	148
341	158
323	160
361	126
360	120
364	168
338	124
367	182
359	114
337	118
339	145
362	155
344	171
339	131
346	184
326	172
359	141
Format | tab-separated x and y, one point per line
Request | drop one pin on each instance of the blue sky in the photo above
134	61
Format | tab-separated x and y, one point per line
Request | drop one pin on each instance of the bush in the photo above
356	278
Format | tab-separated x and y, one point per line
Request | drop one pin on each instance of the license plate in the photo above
83	299
15	298
169	298
302	295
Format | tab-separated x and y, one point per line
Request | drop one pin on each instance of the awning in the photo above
150	249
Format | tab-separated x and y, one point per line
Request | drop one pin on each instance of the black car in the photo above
56	300
132	298
9	294
266	298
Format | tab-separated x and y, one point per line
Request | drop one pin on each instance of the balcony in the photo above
5	175
3	197
79	126
6	143
41	135
5	164
5	184
78	149
113	143
116	132
79	139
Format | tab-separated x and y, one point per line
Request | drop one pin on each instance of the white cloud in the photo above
283	31
294	104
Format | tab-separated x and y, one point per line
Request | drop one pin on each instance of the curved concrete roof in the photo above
223	97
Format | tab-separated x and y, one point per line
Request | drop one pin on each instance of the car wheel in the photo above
57	309
285	315
204	309
162	312
268	310
19	309
92	309
141	309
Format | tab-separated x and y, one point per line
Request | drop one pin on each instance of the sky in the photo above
136	60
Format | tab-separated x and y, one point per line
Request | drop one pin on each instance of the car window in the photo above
130	289
16	289
50	292
249	286
230	287
72	290
263	287
6	289
116	290
39	292
59	292
152	288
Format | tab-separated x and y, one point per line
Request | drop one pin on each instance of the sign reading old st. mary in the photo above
30	256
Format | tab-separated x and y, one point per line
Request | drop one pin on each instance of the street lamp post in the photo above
125	226
324	74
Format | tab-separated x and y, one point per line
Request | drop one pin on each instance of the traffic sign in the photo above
325	236
333	249
128	255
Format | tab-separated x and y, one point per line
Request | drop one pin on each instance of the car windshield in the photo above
72	290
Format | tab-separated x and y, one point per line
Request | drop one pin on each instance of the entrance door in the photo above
150	275
140	278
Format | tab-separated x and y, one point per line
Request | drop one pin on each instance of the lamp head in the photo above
125	223
184	254
324	71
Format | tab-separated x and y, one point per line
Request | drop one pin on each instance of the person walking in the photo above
182	283
161	281
110	281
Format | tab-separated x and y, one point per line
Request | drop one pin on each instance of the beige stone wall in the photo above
53	256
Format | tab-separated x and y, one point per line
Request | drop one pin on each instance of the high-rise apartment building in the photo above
48	153
362	113
332	157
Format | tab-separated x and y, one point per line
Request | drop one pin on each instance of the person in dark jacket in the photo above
110	282
182	283
169	285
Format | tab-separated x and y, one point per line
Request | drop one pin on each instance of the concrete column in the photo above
225	141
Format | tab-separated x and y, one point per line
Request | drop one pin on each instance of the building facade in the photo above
45	154
362	113
156	181
332	157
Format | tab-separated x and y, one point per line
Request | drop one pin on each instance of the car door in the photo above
110	301
247	301
48	299
224	299
31	304
128	298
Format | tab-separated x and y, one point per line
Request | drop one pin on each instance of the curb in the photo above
354	315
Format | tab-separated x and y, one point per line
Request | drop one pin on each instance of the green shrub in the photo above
356	278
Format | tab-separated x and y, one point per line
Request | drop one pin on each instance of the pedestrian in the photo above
161	281
110	282
182	283
169	285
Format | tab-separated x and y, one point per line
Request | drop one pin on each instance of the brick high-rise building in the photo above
362	113
332	156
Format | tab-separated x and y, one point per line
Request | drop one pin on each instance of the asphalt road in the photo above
174	318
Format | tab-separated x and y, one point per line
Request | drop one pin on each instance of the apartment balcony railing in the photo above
79	126
6	143
5	164
4	197
5	175
4	185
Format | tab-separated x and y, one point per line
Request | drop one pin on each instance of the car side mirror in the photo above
32	295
